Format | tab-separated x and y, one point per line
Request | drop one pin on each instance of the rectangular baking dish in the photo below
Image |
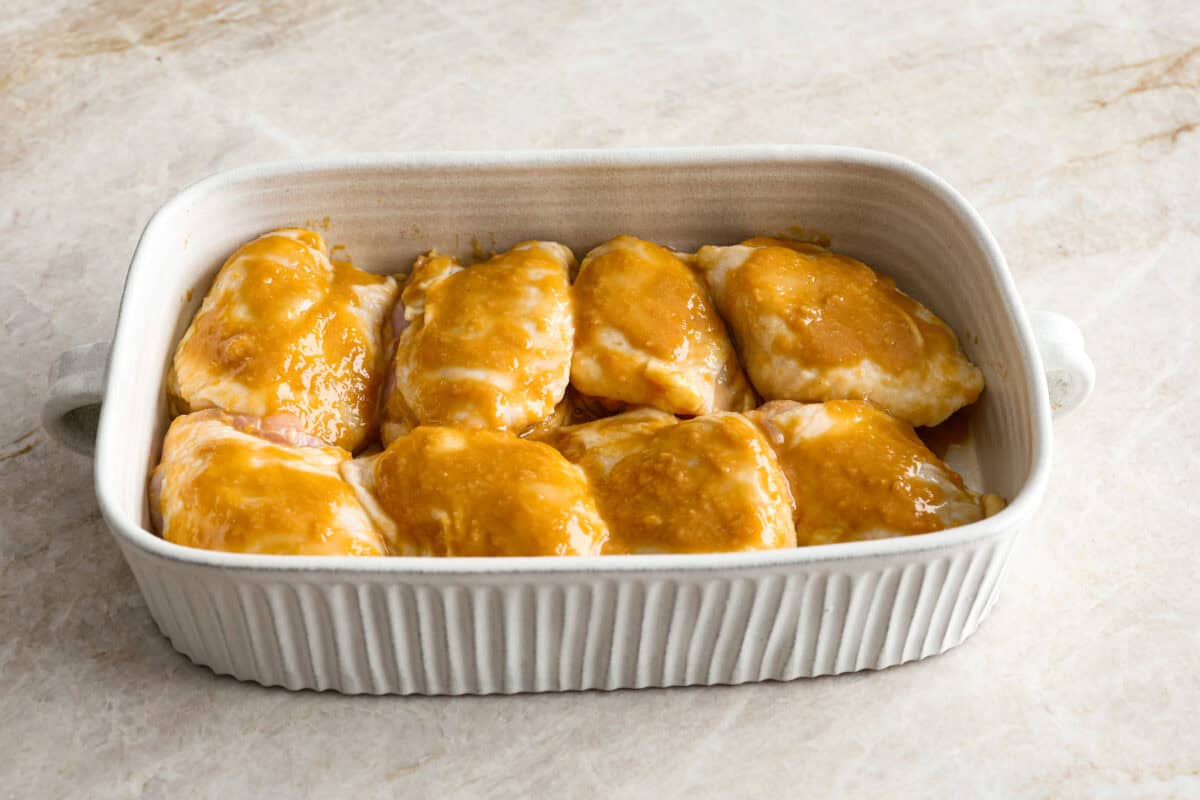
469	625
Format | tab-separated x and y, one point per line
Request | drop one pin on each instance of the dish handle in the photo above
72	408
1070	373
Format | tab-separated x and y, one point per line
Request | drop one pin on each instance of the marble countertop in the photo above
1074	128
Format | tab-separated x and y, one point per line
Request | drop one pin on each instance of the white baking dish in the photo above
450	626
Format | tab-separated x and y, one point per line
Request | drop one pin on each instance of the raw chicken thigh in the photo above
706	485
486	346
285	332
441	491
227	482
858	473
647	334
811	325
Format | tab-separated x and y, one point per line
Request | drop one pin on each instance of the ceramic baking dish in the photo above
470	625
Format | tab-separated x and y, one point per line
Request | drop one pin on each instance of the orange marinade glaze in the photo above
709	484
839	309
860	477
610	283
246	495
471	492
660	307
509	317
733	503
290	332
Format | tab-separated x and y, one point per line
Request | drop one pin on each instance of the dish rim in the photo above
1020	508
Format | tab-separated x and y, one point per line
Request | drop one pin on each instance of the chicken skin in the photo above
705	485
486	346
441	491
647	334
858	473
811	325
285	332
227	482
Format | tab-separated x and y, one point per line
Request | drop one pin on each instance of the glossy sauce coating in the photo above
647	334
597	445
487	346
857	473
706	485
813	325
284	330
462	492
221	486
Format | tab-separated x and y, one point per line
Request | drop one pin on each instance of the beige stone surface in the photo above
1074	127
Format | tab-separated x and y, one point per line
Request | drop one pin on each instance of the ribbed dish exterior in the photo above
487	634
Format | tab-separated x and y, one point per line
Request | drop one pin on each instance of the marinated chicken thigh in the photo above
858	473
440	491
485	346
286	332
811	325
227	482
647	334
709	484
